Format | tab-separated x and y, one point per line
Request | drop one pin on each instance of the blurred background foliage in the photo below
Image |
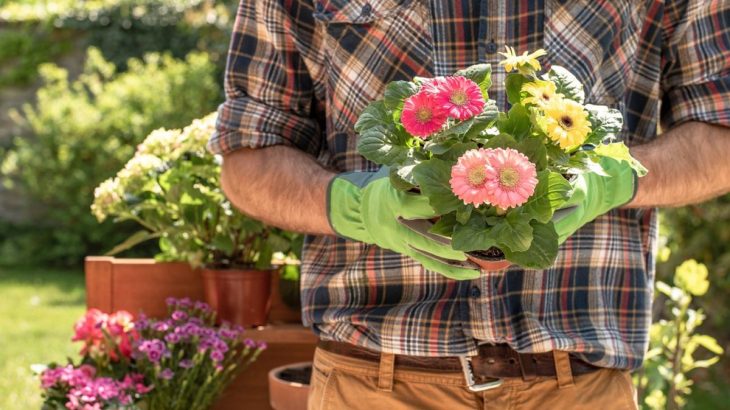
86	81
149	64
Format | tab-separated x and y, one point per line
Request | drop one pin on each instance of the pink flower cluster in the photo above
106	335
502	177
84	391
426	112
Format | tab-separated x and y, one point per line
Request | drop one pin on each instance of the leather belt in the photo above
491	362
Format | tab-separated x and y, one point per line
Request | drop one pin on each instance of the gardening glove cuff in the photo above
595	195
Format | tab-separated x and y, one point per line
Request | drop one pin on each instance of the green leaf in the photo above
585	161
517	122
433	178
483	120
557	155
374	115
708	342
535	150
378	145
457	150
542	251
551	192
136	238
395	94
402	177
480	74
475	235
605	124
222	243
501	141
464	213
620	152
513	232
458	129
513	86
445	225
566	83
439	147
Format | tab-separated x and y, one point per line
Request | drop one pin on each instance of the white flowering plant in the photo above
171	187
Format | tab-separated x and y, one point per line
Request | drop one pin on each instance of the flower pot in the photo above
491	260
240	296
289	386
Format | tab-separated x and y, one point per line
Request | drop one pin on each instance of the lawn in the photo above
37	310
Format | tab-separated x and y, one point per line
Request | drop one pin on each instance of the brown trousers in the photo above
345	383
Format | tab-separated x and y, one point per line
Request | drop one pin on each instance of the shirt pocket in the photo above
598	42
367	44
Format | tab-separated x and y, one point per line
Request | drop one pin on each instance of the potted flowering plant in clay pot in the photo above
495	179
171	187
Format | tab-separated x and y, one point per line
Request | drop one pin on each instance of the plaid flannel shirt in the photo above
300	72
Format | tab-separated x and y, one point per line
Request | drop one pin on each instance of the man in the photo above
396	334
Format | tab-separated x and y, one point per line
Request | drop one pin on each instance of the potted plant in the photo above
171	188
494	179
182	361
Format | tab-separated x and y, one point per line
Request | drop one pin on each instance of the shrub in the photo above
664	381
80	133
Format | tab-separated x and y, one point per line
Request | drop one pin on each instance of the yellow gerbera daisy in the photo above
566	122
541	93
526	63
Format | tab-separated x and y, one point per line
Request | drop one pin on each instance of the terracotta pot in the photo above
240	296
285	394
489	264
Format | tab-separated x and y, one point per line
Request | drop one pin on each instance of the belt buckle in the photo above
469	376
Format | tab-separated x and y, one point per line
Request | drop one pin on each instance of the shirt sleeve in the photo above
696	62
269	91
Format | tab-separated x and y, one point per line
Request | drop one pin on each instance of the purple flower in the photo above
172	338
155	349
216	356
161	326
228	333
204	307
167	374
189	329
184	303
250	343
262	345
171	301
186	363
142	322
179	315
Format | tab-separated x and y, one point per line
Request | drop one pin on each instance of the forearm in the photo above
280	186
688	164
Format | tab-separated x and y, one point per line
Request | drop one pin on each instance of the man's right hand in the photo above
365	207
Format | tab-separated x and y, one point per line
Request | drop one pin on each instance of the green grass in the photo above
37	310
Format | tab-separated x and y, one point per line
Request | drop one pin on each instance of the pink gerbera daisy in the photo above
422	116
511	178
502	177
469	176
461	97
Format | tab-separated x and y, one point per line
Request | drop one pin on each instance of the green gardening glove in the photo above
594	195
365	207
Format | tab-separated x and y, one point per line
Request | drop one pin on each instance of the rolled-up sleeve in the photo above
269	91
696	63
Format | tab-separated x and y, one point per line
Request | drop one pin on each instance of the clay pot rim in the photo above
275	372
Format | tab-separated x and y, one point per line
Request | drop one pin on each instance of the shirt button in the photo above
475	292
367	9
491	47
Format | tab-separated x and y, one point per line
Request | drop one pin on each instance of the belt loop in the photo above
527	366
386	372
562	369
